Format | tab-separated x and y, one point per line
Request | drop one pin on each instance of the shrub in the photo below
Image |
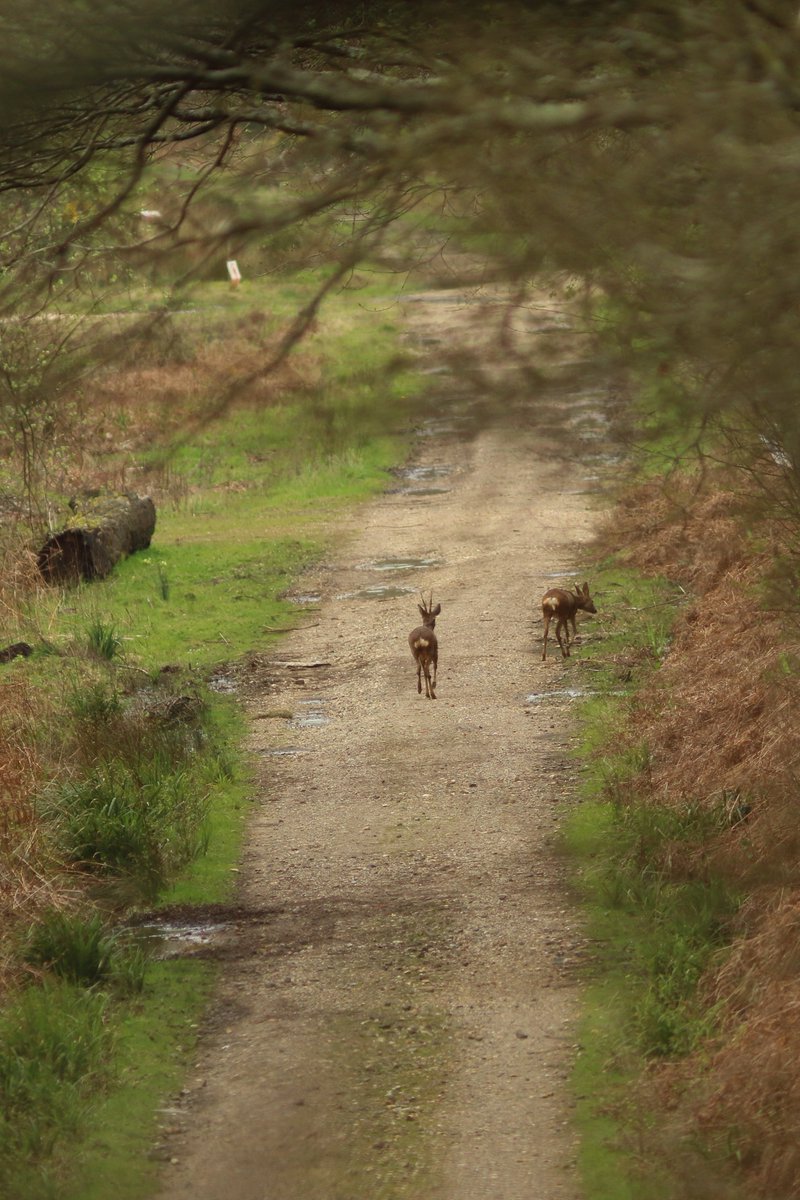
95	703
142	821
80	948
104	641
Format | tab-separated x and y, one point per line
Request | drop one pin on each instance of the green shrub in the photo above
103	638
80	948
143	822
95	703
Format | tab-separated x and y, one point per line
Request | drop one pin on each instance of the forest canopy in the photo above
650	151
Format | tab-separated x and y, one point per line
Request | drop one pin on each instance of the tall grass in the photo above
141	823
83	949
55	1047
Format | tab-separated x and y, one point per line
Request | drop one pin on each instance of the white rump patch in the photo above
551	603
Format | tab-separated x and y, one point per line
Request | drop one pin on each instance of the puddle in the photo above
561	575
430	491
378	591
439	429
312	718
223	683
285	752
425	475
418	474
603	458
560	694
170	939
398	564
573	693
305	598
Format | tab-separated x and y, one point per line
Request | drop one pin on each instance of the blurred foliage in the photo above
649	151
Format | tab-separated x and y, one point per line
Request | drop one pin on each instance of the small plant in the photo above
95	703
163	580
104	641
81	949
71	945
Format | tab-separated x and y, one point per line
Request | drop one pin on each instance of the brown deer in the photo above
425	647
563	605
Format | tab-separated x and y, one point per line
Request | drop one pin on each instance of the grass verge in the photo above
655	919
141	786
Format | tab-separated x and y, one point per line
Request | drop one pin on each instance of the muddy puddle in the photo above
420	481
173	939
559	695
304	599
380	591
311	715
428	491
561	575
399	564
438	428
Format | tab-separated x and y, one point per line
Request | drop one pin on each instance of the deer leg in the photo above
564	648
419	677
547	616
435	667
574	629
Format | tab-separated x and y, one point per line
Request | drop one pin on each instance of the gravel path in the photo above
396	1017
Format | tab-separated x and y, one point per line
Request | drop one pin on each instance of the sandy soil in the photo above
396	1017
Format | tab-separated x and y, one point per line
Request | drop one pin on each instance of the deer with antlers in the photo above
425	647
564	605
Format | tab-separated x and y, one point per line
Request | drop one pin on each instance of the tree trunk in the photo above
105	530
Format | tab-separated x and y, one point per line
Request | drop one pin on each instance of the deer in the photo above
425	647
563	605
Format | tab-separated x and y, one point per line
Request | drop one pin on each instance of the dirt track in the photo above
396	1015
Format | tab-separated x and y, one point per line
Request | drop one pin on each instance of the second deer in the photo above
563	605
425	647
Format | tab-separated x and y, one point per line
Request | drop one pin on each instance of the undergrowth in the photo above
657	915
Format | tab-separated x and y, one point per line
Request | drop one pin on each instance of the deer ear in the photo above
435	611
585	589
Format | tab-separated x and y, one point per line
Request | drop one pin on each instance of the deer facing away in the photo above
425	647
563	605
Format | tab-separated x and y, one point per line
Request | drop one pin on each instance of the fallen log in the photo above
104	530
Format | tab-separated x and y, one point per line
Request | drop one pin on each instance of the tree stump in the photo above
104	530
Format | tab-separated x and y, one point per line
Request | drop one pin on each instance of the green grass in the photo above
154	1043
654	924
56	1043
255	491
211	878
151	810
